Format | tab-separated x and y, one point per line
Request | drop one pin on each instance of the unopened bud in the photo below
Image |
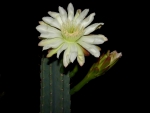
104	63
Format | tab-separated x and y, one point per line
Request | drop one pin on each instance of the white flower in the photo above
70	33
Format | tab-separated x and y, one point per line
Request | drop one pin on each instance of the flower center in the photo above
71	32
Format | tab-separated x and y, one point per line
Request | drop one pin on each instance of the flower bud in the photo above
104	63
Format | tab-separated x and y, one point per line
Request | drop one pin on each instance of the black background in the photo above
116	91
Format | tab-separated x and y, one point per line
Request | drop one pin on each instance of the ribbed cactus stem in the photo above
55	88
46	87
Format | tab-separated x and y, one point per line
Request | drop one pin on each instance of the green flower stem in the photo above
84	81
92	74
74	71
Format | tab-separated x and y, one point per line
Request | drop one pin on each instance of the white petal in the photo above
48	41
73	52
66	55
80	57
63	47
82	16
47	29
70	11
91	48
77	14
51	35
41	28
94	39
42	23
92	28
73	56
63	14
51	21
54	43
87	20
56	16
53	51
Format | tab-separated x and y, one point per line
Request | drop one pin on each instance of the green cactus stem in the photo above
55	88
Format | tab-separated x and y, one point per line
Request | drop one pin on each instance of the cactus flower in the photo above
69	32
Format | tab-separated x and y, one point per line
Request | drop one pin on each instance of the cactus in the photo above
55	88
55	81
